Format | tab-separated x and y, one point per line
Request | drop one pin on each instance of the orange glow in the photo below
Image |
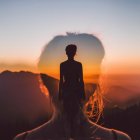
18	67
90	71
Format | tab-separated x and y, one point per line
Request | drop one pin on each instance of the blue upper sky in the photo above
27	25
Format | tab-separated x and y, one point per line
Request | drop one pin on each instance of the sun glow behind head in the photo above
90	53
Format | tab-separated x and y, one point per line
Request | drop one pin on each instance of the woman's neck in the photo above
70	59
80	116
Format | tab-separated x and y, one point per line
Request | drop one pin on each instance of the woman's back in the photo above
58	130
71	81
71	70
71	121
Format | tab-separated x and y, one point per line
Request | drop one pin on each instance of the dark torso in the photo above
71	71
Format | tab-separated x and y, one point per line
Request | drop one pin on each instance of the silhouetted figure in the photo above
71	85
67	111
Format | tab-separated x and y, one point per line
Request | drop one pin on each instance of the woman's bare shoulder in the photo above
29	135
121	135
21	136
112	134
41	132
78	62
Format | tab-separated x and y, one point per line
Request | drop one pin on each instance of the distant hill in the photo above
21	101
121	96
24	106
126	120
122	89
20	95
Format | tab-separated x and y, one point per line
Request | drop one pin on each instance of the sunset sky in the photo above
27	25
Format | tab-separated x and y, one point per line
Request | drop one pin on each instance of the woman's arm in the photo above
60	83
82	82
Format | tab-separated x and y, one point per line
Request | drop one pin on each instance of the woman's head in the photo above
90	54
71	50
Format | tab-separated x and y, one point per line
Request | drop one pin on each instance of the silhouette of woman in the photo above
71	85
69	119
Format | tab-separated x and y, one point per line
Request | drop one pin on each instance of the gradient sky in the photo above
90	52
27	25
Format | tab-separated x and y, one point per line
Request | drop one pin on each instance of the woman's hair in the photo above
94	106
88	46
